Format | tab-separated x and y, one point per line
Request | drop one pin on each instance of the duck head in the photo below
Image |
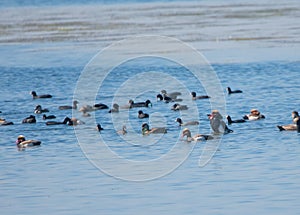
164	92
116	106
193	94
254	112
215	115
145	128
179	120
295	114
176	105
33	93
159	97
38	107
148	103
186	132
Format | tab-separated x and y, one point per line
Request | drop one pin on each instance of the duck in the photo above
48	117
68	107
22	142
217	124
65	121
167	99
35	96
99	127
38	110
172	95
142	115
178	106
179	120
198	137
30	119
291	127
195	97
132	104
115	108
233	91
123	131
230	121
3	122
146	130
254	115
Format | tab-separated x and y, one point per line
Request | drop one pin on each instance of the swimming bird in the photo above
30	119
291	127
146	130
99	127
230	121
22	142
67	107
217	124
35	96
254	115
115	108
3	122
48	117
198	137
179	120
178	106
172	95
38	110
142	115
65	121
132	104
123	131
233	91
195	97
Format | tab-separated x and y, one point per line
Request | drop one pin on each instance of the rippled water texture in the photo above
252	46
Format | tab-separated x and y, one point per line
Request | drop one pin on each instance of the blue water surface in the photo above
255	169
19	3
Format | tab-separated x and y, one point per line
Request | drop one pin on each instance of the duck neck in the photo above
188	134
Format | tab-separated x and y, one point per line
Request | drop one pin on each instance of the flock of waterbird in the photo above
217	123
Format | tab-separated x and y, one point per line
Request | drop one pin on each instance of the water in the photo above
16	3
255	169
